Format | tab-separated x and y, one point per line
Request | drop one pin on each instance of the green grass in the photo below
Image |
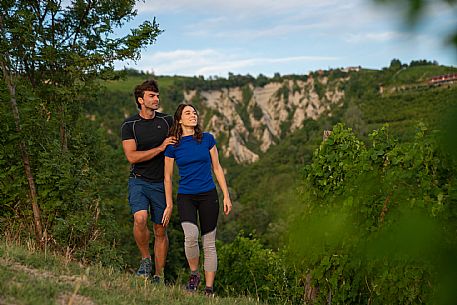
30	276
419	74
128	84
124	85
404	110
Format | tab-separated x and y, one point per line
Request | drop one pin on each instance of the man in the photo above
144	139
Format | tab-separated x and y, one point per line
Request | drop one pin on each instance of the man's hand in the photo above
167	215
166	142
227	205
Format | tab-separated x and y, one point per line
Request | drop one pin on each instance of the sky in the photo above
215	37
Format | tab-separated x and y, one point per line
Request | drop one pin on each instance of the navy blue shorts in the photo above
149	196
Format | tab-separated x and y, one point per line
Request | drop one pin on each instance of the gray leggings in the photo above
206	206
192	249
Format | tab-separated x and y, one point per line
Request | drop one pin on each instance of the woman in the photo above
195	153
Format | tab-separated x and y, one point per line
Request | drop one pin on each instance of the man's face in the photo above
150	100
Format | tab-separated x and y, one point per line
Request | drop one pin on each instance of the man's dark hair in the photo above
149	85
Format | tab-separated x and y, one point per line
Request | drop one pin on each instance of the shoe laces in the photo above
145	267
194	280
156	279
146	263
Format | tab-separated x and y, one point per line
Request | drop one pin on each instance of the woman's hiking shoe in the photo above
192	284
157	280
145	268
209	292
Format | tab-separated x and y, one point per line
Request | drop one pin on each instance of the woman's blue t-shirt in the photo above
194	163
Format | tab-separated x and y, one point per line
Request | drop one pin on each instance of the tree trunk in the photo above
25	156
63	134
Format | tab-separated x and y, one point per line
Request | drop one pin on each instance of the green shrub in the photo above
375	227
246	267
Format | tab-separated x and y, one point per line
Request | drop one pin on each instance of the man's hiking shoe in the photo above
157	280
145	268
192	284
209	292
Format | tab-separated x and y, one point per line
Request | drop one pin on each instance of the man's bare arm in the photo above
135	156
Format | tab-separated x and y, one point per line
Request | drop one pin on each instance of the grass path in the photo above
31	277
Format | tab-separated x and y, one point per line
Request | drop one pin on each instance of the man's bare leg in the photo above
160	248
141	232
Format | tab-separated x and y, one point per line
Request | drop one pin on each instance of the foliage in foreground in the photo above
376	226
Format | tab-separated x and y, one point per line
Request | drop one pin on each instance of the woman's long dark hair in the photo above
176	129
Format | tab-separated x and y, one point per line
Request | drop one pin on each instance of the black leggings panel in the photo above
205	204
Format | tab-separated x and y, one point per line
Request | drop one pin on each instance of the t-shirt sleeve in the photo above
211	141
170	151
169	120
127	132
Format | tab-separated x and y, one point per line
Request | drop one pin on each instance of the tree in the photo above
53	53
395	64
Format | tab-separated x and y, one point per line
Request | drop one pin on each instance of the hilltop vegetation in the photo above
277	245
401	102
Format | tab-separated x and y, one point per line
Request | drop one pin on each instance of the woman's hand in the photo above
227	205
167	215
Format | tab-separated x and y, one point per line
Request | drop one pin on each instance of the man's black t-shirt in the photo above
148	134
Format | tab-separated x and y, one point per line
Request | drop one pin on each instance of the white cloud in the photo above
237	7
280	30
375	37
233	65
308	18
213	62
213	37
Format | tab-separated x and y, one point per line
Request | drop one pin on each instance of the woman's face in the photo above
189	117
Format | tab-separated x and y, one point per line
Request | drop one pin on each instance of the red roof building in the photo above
440	79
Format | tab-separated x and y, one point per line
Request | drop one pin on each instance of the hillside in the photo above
28	276
272	126
249	115
365	215
269	131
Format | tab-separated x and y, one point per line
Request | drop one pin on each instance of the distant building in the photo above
347	69
443	79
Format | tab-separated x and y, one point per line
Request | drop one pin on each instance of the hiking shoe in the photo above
145	268
192	284
157	280
209	292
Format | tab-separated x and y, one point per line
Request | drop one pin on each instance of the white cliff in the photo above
260	120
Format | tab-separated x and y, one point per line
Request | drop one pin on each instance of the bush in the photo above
246	267
375	227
